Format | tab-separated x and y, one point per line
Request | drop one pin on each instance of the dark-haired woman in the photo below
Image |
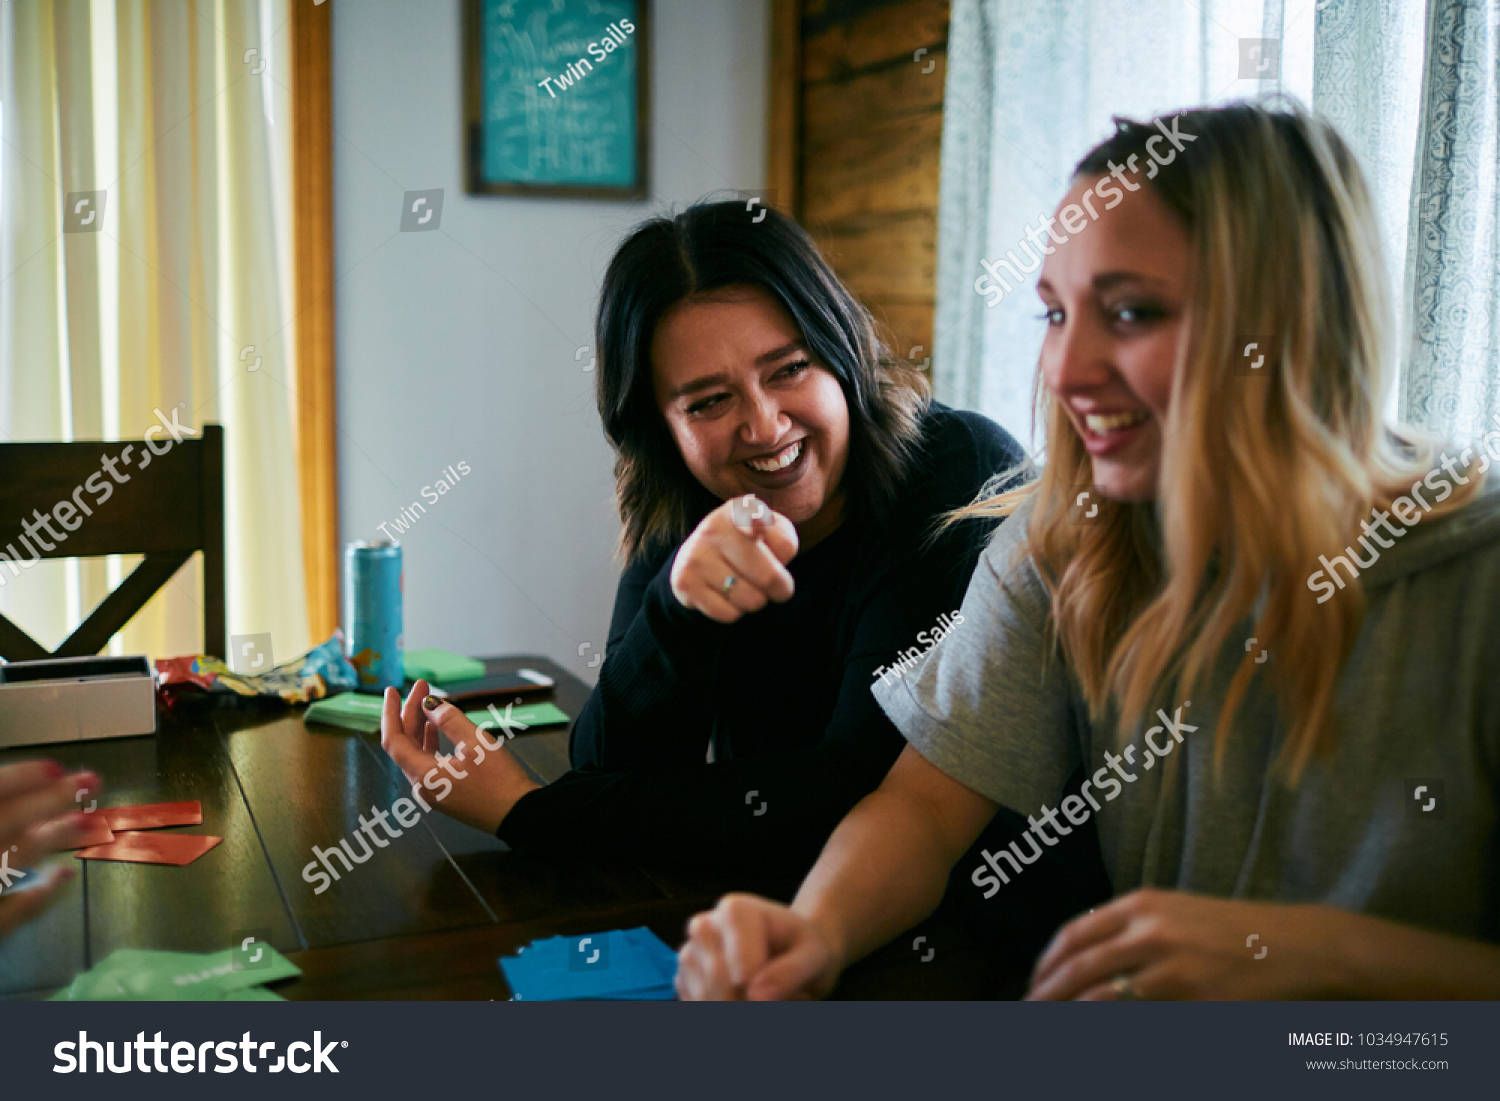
779	478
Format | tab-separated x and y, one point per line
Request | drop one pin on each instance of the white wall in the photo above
459	344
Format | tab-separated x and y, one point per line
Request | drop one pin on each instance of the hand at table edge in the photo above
1175	944
749	948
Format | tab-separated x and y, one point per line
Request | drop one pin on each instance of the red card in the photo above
153	816
97	832
153	848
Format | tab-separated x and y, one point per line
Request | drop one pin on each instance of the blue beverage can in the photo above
372	613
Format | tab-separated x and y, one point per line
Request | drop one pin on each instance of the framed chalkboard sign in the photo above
556	100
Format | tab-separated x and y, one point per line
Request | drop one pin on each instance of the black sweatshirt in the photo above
783	695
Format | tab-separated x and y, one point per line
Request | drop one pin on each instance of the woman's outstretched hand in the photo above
755	556
749	948
39	815
478	784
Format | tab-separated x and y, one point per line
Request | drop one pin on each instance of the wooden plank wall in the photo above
871	124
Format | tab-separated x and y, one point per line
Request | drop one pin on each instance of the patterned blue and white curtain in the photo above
1413	85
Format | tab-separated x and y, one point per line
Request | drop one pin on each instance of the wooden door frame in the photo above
317	409
784	108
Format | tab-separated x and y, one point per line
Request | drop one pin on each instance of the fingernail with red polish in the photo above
54	770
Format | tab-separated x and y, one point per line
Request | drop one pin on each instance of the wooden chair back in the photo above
159	497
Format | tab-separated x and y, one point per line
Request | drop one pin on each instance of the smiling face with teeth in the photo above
749	410
1116	295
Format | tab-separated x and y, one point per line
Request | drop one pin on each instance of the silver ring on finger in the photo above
728	584
1124	989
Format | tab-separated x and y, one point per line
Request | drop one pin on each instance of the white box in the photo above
76	700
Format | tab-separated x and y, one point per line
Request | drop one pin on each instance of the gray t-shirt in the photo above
1419	705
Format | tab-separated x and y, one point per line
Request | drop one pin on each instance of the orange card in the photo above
152	848
98	832
152	816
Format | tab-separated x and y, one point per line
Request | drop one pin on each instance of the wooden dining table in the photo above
426	917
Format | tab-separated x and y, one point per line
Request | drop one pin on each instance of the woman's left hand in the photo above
1170	944
478	784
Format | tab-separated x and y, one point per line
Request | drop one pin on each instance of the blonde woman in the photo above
1295	790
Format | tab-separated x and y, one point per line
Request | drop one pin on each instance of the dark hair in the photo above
703	250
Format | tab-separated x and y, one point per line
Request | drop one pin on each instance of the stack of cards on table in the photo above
438	666
115	834
233	975
621	965
355	712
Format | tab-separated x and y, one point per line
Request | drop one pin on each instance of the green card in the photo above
130	974
353	711
438	666
350	710
521	715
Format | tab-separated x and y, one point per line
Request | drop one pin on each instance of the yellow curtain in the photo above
178	112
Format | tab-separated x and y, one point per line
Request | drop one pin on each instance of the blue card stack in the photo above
620	965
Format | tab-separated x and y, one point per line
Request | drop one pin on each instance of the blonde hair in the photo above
1258	476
